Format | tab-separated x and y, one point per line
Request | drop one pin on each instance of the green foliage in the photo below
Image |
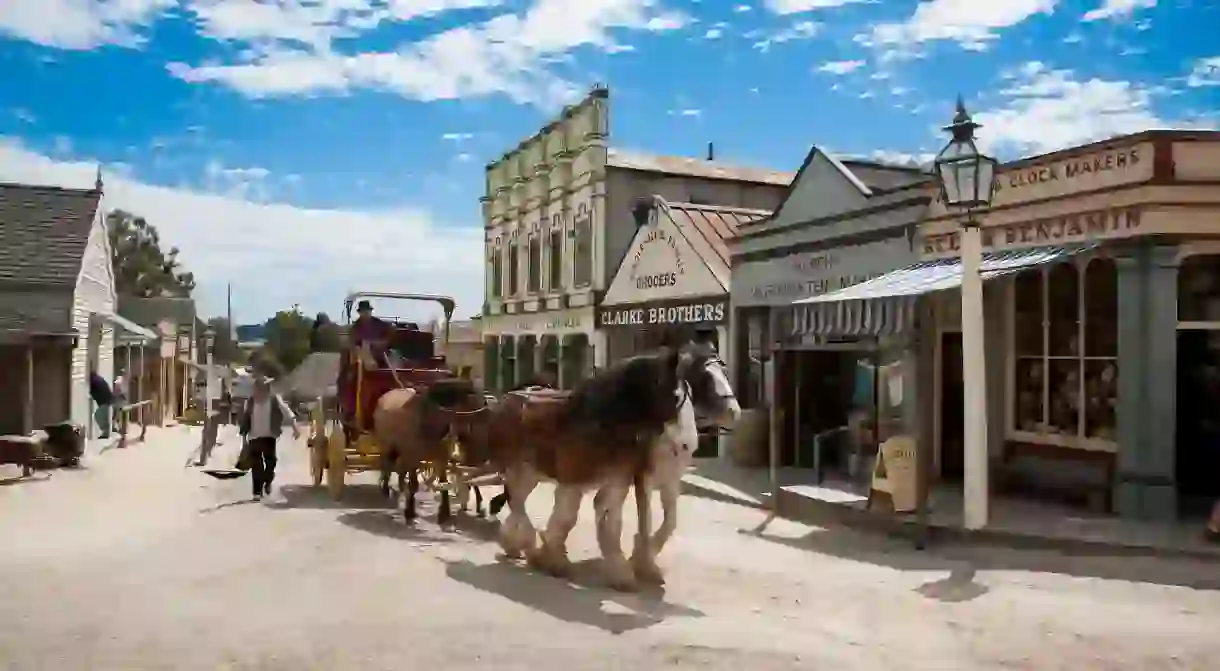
264	362
140	266
325	336
288	337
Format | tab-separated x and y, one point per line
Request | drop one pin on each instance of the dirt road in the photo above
136	563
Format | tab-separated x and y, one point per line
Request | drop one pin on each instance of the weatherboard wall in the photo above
94	296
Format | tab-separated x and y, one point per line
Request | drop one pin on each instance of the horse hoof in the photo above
480	513
548	563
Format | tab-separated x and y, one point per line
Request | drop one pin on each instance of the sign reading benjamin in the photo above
695	311
779	281
1076	174
1113	223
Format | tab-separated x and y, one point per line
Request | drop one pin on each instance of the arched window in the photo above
1065	368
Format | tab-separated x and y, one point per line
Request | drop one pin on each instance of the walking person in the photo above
103	397
262	420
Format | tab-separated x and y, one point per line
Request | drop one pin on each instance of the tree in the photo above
288	337
140	266
264	362
325	335
225	349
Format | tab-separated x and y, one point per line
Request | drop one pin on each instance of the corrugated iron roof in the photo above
35	311
717	224
43	233
693	167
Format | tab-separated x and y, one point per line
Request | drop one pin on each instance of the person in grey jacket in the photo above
262	421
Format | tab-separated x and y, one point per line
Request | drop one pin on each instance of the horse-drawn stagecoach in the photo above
405	357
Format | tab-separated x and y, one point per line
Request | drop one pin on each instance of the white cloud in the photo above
784	7
801	30
1118	9
1206	72
713	34
457	137
840	67
275	254
509	54
1046	110
971	23
741	9
901	158
79	24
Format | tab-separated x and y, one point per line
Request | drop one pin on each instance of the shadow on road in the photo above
25	479
355	497
962	558
228	504
390	524
579	599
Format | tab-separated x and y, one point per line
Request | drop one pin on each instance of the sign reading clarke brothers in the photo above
706	311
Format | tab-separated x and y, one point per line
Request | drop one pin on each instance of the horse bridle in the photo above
713	429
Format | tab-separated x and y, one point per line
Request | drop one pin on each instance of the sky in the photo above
302	149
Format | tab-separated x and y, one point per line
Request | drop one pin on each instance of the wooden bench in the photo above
1096	493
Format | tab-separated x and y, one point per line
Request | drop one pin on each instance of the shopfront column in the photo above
1147	383
561	374
598	343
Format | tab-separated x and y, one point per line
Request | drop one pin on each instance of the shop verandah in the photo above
880	359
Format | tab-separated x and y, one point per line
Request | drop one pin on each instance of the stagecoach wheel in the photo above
336	462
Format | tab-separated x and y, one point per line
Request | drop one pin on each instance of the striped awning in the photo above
877	317
885	305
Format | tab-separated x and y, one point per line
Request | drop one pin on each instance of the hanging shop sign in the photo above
1102	169
1067	229
554	321
692	311
781	280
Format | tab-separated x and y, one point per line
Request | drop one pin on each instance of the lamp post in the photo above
209	344
967	182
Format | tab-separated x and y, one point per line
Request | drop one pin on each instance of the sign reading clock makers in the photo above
694	311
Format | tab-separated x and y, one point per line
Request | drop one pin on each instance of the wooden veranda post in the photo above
27	424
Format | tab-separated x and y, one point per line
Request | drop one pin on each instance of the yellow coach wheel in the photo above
336	462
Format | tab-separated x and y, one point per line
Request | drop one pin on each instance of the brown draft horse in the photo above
602	437
413	427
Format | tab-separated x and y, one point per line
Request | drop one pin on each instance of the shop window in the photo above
1065	363
1199	289
514	269
555	282
534	264
497	273
583	261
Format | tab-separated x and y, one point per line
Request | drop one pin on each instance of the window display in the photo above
1065	368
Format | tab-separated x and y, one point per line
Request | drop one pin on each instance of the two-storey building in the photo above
558	217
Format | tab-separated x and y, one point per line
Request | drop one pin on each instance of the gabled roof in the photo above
44	231
715	224
150	311
869	178
693	167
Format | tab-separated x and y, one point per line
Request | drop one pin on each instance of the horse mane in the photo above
634	394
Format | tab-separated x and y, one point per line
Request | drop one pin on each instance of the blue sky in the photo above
301	148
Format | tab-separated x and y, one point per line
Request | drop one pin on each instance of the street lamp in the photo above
967	182
209	344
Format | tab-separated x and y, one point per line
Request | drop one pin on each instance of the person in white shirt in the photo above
262	420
